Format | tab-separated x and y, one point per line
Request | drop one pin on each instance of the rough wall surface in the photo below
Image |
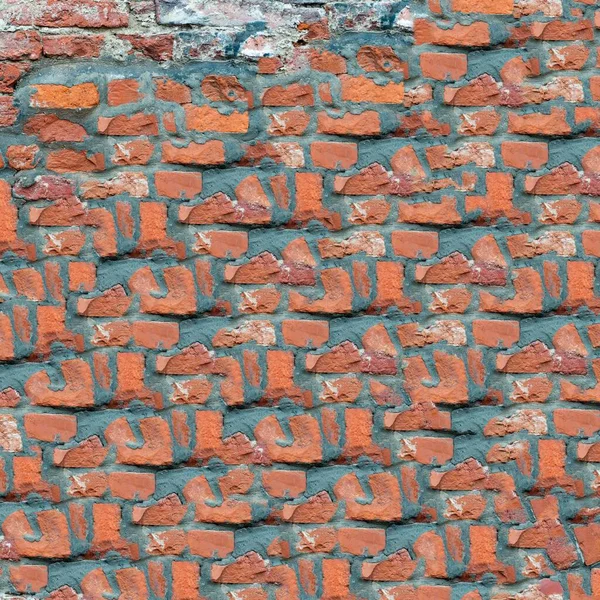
299	300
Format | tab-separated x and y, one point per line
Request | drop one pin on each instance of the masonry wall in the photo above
298	300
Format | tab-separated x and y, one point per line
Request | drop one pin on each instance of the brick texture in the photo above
299	300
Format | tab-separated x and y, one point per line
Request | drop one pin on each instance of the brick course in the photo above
299	300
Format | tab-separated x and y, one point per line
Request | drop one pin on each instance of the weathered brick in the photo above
20	45
156	47
123	91
76	13
68	46
333	155
208	153
442	66
83	95
299	300
136	124
524	155
205	118
178	184
363	89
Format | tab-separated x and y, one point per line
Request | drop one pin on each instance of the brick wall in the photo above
299	300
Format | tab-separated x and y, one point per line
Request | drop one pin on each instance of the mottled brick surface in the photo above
298	300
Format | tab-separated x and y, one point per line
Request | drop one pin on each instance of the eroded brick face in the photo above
299	300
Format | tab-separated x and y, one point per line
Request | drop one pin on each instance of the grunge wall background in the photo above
299	300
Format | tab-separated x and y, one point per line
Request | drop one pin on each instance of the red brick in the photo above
123	91
208	153
328	62
442	66
20	45
295	94
488	7
333	155
73	46
496	333
49	427
10	74
178	184
172	91
131	486
82	276
134	152
293	122
382	59
75	13
21	157
70	161
262	324
284	484
222	244
363	89
8	111
50	128
136	124
205	118
524	155
366	123
83	95
29	578
415	244
476	34
305	333
552	122
156	47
